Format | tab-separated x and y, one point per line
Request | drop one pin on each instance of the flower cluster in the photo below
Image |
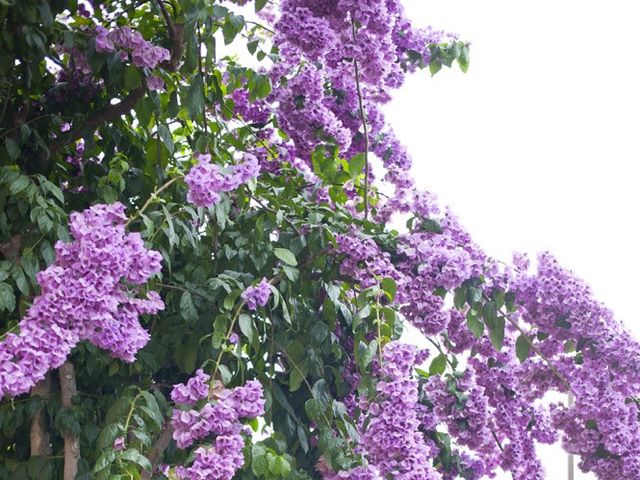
602	363
219	420
392	439
84	296
207	180
125	42
257	296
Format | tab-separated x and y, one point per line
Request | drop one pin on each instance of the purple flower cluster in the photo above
603	368
257	296
366	263
84	296
125	42
392	439
220	420
207	180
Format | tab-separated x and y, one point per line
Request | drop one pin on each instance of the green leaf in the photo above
286	256
490	314
105	460
260	4
195	97
356	164
435	66
315	410
438	365
390	287
247	328
430	225
259	86
232	26
496	334
459	297
259	462
474	295
133	455
7	298
475	325
523	346
188	310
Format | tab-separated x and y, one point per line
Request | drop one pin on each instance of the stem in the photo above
130	414
379	334
441	351
151	198
38	435
201	70
68	390
363	118
236	315
495	437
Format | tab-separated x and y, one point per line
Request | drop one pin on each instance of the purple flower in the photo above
118	444
206	180
83	297
155	83
257	296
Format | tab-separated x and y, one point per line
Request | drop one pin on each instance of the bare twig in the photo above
68	390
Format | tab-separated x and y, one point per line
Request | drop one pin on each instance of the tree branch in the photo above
38	435
363	118
68	390
114	111
158	448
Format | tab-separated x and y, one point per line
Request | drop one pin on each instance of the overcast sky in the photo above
536	147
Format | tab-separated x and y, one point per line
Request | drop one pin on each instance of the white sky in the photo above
536	147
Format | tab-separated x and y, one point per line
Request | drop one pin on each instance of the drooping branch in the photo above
68	390
38	434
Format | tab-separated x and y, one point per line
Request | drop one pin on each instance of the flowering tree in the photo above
199	280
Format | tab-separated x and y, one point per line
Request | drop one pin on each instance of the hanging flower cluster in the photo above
84	296
207	180
392	440
219	420
257	296
125	42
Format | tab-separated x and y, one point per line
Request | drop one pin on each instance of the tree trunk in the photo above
39	435
68	390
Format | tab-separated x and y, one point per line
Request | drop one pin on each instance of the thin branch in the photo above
363	118
109	114
201	71
495	437
151	199
167	18
68	390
